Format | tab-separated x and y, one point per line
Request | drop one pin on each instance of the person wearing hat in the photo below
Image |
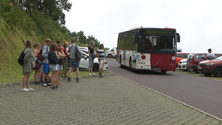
210	55
65	60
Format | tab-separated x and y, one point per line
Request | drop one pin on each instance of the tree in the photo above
52	7
81	37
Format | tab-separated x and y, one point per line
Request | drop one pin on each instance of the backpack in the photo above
21	58
40	55
77	55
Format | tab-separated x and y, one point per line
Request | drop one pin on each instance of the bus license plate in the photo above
156	69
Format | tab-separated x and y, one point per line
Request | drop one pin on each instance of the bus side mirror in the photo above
136	39
178	37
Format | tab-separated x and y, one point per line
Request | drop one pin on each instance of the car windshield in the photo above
201	56
219	58
190	56
157	44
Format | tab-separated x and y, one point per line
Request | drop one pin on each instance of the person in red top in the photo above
65	60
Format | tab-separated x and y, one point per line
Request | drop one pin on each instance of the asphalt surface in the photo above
199	92
112	100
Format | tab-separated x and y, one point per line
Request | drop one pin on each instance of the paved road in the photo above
202	93
112	100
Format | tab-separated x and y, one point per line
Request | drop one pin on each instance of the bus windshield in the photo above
157	44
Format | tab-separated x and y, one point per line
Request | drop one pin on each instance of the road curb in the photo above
10	84
63	79
173	99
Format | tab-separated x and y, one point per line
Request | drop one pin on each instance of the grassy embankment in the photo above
12	43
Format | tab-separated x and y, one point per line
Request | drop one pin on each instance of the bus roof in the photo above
141	27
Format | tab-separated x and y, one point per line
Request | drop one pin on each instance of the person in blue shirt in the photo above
45	68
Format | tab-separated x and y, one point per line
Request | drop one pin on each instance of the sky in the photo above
199	22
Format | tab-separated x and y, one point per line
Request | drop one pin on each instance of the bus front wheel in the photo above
120	61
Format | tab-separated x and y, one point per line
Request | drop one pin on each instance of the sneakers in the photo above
48	84
101	76
68	80
25	90
90	74
44	85
93	74
53	87
77	79
59	84
31	89
36	82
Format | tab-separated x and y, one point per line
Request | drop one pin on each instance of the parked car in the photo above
209	67
194	59
181	56
111	53
183	64
84	63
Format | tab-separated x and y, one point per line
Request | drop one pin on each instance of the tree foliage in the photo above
52	7
42	18
80	36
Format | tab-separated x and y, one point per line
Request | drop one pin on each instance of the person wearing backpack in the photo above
38	67
28	64
53	65
74	58
46	70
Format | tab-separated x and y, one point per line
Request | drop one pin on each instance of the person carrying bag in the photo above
74	58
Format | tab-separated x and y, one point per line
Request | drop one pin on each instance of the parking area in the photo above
110	100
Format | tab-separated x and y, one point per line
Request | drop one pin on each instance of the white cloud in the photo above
197	21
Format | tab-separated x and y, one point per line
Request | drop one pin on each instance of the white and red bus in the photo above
148	49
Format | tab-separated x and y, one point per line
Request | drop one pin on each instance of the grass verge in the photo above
200	75
16	76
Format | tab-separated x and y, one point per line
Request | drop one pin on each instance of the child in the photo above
53	65
60	66
38	67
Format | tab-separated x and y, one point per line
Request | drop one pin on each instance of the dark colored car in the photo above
209	67
194	59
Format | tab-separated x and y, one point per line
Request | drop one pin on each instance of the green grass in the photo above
16	76
200	75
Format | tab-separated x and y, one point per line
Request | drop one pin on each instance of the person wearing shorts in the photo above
45	69
61	54
53	65
101	57
72	49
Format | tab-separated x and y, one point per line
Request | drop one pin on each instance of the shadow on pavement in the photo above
147	72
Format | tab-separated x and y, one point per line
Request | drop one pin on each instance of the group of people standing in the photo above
55	58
